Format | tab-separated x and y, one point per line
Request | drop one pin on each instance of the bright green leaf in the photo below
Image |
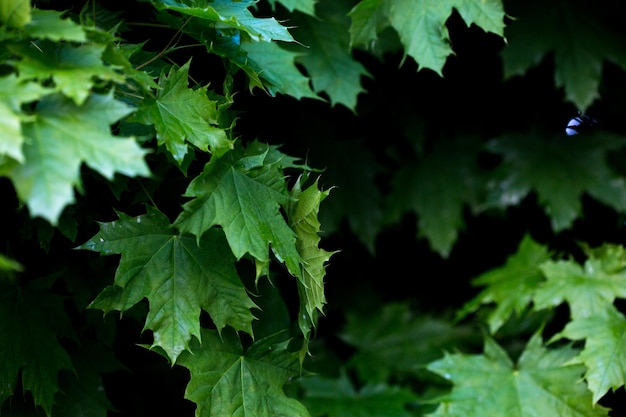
234	14
542	383
182	115
604	354
588	289
339	398
15	13
13	93
302	215
227	381
49	24
510	287
278	71
73	69
178	275
244	200
560	170
29	324
64	135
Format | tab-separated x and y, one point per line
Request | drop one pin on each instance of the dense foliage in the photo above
311	208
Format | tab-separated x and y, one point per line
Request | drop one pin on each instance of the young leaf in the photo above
580	41
15	13
542	383
178	275
243	195
604	354
226	381
588	289
560	171
182	115
30	321
512	286
327	58
302	215
339	398
62	136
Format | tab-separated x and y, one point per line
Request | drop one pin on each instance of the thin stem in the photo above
166	49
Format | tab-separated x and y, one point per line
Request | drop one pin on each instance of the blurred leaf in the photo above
560	170
542	383
510	287
15	13
339	398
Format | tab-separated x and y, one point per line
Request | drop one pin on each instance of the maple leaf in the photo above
580	43
276	67
30	322
302	214
490	384
227	13
395	341
588	289
304	6
339	398
559	171
15	13
74	69
603	354
179	276
13	93
50	24
437	188
61	137
226	381
421	25
327	58
182	115
512	286
243	194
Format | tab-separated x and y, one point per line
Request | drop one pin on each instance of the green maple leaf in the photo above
512	286
395	341
437	189
243	194
179	275
13	93
227	381
74	69
304	6
61	137
276	70
15	13
339	398
303	219
560	171
588	289
50	24
541	383
421	25
182	115
30	320
603	354
226	13
327	58
579	41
